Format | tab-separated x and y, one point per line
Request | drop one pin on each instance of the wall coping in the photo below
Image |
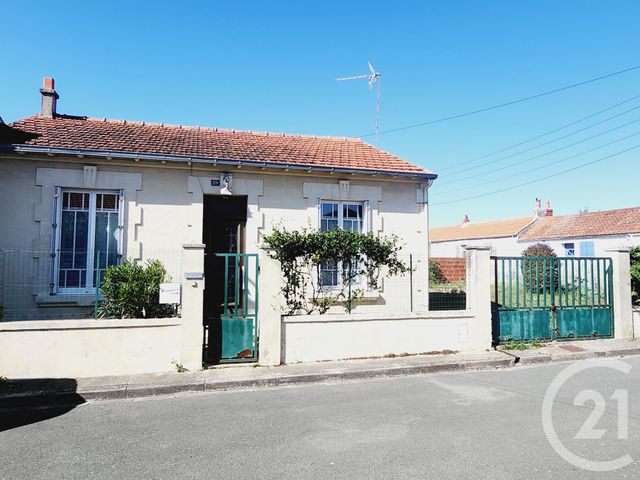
87	324
377	317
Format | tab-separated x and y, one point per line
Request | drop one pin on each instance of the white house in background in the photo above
586	234
500	235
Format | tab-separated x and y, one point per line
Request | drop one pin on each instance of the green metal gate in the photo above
551	298
239	315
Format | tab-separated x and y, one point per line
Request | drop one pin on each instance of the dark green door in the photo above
549	298
239	316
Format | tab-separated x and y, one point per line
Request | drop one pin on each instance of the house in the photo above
78	194
585	234
499	235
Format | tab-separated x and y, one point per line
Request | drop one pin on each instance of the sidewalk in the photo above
15	393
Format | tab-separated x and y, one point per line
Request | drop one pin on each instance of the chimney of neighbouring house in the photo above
49	98
465	220
538	212
548	211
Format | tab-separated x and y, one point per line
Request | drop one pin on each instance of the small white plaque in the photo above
169	293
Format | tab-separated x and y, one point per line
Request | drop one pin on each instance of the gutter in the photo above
108	154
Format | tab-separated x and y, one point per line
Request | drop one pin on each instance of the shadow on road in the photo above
27	401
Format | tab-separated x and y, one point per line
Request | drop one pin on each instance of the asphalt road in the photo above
484	425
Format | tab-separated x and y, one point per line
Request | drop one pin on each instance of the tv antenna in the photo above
374	78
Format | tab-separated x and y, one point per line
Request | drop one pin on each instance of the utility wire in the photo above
482	157
505	104
526	160
537	179
550	164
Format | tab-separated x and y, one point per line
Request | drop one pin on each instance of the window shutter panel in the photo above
120	225
366	221
319	210
56	204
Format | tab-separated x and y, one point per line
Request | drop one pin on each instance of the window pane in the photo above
329	210
328	274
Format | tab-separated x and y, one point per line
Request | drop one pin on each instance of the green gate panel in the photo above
584	322
238	337
524	324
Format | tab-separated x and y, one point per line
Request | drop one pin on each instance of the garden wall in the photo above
453	269
88	348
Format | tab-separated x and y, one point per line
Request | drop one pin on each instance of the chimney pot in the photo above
49	98
466	219
548	211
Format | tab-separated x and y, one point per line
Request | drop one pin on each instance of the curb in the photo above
121	392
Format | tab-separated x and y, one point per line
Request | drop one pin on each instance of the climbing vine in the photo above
355	256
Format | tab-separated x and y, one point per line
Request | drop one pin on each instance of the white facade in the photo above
162	209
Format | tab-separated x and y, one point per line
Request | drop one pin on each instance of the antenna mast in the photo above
374	78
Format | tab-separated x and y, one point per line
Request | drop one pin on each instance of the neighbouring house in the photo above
589	234
585	234
72	187
499	235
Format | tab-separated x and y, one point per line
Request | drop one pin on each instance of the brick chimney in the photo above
548	211
49	98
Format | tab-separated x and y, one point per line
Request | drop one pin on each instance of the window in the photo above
87	238
569	249
587	249
348	216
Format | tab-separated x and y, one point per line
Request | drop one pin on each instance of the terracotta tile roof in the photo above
592	224
139	137
468	231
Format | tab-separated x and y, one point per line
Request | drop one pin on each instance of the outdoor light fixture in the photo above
225	184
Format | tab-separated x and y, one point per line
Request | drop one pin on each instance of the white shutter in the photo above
366	221
55	232
319	209
120	225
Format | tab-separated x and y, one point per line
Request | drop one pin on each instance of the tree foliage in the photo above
131	290
436	276
357	255
635	274
537	273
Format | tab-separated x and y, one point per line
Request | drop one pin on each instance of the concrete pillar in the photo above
622	311
192	294
270	311
478	277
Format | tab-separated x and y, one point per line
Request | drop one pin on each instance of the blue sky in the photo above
272	66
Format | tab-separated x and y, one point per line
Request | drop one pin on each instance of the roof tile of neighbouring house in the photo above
592	224
147	138
469	231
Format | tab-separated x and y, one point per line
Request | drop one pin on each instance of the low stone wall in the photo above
453	269
88	347
307	338
636	322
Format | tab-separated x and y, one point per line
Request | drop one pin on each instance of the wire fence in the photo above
447	283
39	285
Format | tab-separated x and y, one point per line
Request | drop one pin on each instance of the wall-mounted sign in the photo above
215	182
169	293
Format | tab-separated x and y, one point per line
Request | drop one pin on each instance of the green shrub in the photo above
537	273
130	290
1	311
435	273
635	274
301	253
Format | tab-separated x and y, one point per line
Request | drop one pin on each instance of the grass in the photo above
512	345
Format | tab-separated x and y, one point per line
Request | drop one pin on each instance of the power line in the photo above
535	157
538	167
537	179
482	157
505	104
